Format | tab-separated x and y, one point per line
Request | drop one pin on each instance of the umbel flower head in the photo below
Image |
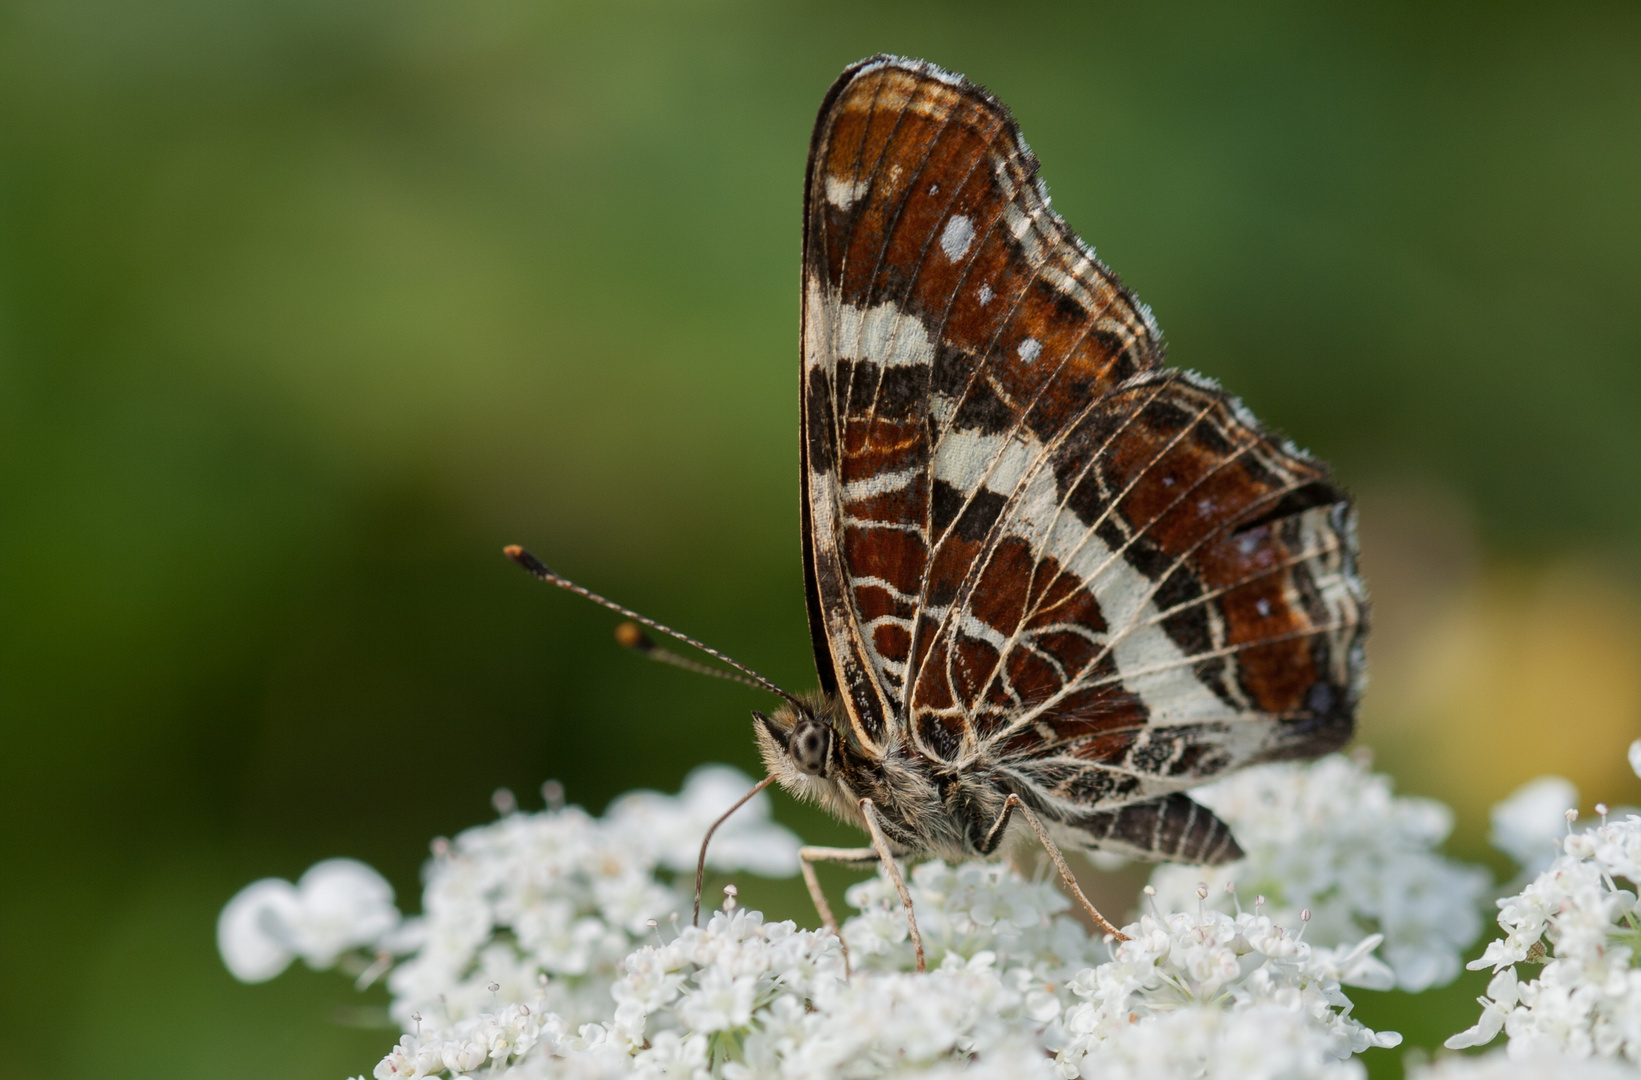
559	895
558	899
1332	837
1580	918
1213	994
546	949
741	998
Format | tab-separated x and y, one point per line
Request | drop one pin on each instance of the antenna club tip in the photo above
525	559
629	635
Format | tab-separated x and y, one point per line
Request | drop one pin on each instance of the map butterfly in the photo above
1047	576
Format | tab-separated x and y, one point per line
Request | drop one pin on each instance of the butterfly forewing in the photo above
1032	550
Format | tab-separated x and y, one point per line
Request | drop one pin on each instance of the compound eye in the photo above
809	749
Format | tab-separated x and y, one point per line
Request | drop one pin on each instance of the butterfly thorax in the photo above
925	806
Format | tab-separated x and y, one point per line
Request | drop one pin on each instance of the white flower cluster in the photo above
740	998
1208	995
743	999
1213	994
1581	919
558	899
966	910
550	901
544	950
463	1047
1331	836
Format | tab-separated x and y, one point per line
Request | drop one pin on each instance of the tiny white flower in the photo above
345	904
718	1001
1496	1007
673	1057
649	983
1356	965
255	932
338	904
461	1057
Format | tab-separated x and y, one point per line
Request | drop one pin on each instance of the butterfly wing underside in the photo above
1033	551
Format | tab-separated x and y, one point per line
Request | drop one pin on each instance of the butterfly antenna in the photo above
634	638
629	635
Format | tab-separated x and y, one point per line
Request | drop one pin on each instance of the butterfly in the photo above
1051	582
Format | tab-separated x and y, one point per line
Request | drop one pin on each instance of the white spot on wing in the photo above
881	484
882	334
985	295
957	236
967	459
964	457
877	582
1021	227
1030	349
844	193
1012	464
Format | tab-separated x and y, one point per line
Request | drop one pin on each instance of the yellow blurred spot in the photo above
1487	675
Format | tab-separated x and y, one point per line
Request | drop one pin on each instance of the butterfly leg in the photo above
807	858
881	844
995	837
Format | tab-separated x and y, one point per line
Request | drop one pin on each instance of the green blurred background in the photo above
307	308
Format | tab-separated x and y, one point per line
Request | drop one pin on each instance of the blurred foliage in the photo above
307	308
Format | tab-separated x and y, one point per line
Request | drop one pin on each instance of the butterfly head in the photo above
800	743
